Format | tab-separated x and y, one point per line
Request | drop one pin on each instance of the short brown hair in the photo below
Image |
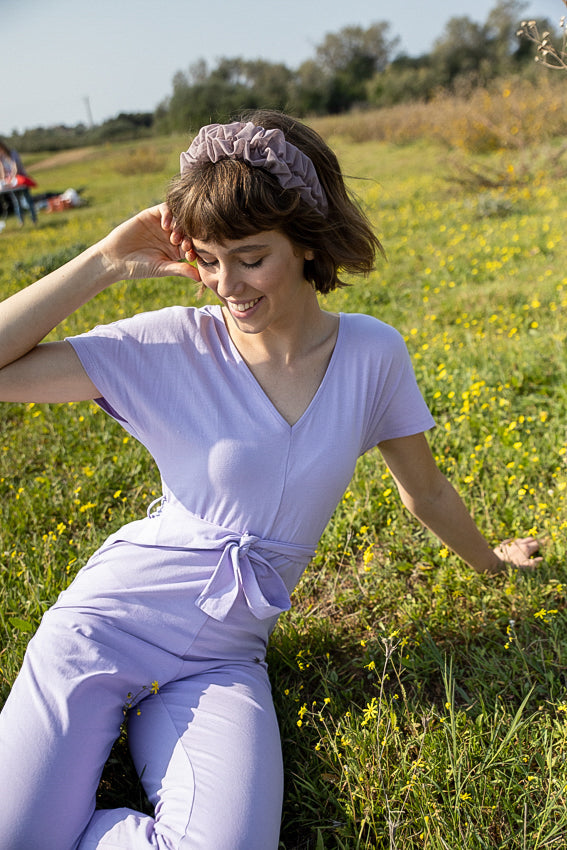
230	199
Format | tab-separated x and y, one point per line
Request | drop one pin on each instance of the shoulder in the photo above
369	326
149	350
366	333
167	325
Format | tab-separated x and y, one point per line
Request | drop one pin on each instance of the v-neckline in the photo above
258	387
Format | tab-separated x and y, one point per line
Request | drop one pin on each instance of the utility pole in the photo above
89	113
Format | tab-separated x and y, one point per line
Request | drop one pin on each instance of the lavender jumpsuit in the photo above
188	596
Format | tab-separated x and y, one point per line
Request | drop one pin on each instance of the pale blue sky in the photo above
122	54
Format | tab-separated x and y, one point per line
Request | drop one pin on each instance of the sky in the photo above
70	61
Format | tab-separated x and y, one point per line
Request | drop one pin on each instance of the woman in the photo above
255	411
13	175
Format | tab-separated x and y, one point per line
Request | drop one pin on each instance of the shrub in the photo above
141	160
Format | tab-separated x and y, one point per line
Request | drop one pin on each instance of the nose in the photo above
228	281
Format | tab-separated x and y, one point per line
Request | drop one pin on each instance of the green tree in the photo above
405	79
503	21
461	50
351	57
501	30
203	95
364	50
309	90
269	83
479	52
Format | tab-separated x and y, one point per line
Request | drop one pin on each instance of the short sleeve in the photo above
125	361
395	408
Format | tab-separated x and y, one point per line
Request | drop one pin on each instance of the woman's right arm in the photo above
145	246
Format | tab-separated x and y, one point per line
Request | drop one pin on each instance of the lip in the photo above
249	306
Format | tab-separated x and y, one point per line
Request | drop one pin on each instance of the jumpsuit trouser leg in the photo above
206	744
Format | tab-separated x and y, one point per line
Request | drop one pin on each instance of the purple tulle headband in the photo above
258	147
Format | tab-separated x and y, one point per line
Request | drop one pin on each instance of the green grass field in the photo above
421	705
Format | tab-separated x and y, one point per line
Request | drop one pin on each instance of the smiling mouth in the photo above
244	306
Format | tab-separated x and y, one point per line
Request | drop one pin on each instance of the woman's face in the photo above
259	279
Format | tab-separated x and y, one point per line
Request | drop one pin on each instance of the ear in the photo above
309	254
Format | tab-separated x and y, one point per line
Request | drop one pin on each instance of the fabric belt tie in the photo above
242	569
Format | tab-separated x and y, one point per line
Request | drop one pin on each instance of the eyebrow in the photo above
240	250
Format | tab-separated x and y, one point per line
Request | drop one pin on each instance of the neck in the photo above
288	341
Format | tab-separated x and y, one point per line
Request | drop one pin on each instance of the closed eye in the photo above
208	265
204	263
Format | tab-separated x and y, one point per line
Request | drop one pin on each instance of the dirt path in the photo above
63	158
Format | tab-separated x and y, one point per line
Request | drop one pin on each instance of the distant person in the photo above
14	175
256	410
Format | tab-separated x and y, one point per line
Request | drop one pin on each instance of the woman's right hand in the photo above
147	245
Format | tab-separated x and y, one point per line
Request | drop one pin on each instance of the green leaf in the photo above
22	625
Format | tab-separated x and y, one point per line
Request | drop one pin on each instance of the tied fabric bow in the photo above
241	569
261	148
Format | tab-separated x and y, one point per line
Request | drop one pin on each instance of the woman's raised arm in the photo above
143	246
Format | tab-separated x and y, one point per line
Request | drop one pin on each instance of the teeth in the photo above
246	306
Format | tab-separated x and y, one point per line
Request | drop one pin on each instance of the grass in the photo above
421	705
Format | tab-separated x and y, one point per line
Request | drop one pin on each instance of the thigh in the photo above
58	725
208	752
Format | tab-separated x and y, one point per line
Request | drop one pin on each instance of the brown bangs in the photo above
225	200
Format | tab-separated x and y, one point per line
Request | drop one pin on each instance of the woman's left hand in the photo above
519	552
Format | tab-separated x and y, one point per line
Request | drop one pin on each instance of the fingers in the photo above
166	217
531	543
178	269
187	247
176	235
519	552
169	224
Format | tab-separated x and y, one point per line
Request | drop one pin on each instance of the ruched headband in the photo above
261	148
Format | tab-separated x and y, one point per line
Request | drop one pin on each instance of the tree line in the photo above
353	68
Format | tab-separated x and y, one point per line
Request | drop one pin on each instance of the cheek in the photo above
207	279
